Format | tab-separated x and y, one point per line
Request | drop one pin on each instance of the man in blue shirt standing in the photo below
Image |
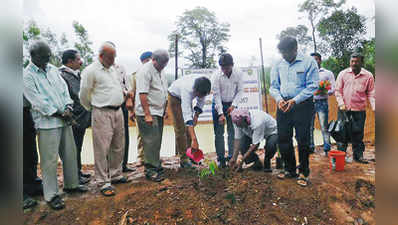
293	82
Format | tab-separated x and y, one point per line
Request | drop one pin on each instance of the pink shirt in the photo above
352	90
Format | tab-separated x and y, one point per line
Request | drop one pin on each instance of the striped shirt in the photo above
48	93
227	89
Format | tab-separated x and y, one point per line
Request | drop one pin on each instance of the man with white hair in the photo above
102	94
150	105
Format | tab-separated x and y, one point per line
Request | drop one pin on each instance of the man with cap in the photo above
251	127
227	91
130	104
321	106
353	86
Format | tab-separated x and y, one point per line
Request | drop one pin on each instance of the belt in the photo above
310	99
112	107
322	99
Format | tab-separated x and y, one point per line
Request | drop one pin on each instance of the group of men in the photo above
60	104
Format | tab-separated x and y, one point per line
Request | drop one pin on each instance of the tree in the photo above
84	44
315	9
300	33
368	51
201	35
30	33
344	31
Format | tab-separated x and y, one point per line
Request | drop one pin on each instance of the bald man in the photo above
101	93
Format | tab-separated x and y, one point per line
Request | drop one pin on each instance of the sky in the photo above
138	26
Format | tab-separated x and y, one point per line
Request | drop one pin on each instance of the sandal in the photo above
108	191
29	202
122	180
302	180
286	175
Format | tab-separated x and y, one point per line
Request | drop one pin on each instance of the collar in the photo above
102	67
362	72
232	74
37	69
69	70
299	57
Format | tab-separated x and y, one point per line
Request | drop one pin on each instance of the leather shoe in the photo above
85	175
78	189
56	203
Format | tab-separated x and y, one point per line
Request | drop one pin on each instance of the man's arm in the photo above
332	83
339	90
86	87
217	95
275	86
239	92
145	107
370	92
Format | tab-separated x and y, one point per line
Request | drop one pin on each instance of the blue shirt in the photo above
297	80
48	93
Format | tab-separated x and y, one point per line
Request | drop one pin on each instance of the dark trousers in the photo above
31	183
271	146
78	135
299	118
219	130
126	135
358	127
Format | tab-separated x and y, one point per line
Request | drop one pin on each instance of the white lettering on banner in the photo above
251	98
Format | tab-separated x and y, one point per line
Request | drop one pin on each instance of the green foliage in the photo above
84	44
210	170
200	37
314	10
368	51
344	31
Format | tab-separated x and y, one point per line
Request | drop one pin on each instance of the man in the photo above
72	62
181	94
293	82
353	86
227	91
322	106
150	104
251	127
51	110
130	103
32	185
125	86
101	93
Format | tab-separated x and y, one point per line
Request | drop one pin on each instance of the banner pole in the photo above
263	71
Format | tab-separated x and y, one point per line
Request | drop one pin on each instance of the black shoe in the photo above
311	151
78	189
361	160
28	202
122	180
159	170
267	166
56	203
83	180
85	175
222	164
153	175
128	169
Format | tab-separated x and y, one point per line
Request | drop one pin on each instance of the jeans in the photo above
219	133
358	147
299	117
321	108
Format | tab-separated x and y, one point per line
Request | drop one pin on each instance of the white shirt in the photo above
262	126
227	89
153	83
124	81
100	87
183	89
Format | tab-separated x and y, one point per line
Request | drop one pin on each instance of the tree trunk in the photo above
313	32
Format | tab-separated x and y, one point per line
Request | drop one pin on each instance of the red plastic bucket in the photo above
336	160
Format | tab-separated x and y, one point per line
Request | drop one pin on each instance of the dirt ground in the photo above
248	197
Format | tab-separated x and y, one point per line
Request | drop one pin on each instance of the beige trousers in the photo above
108	142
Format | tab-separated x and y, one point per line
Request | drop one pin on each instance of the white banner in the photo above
251	98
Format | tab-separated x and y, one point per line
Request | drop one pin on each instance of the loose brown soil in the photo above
248	197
